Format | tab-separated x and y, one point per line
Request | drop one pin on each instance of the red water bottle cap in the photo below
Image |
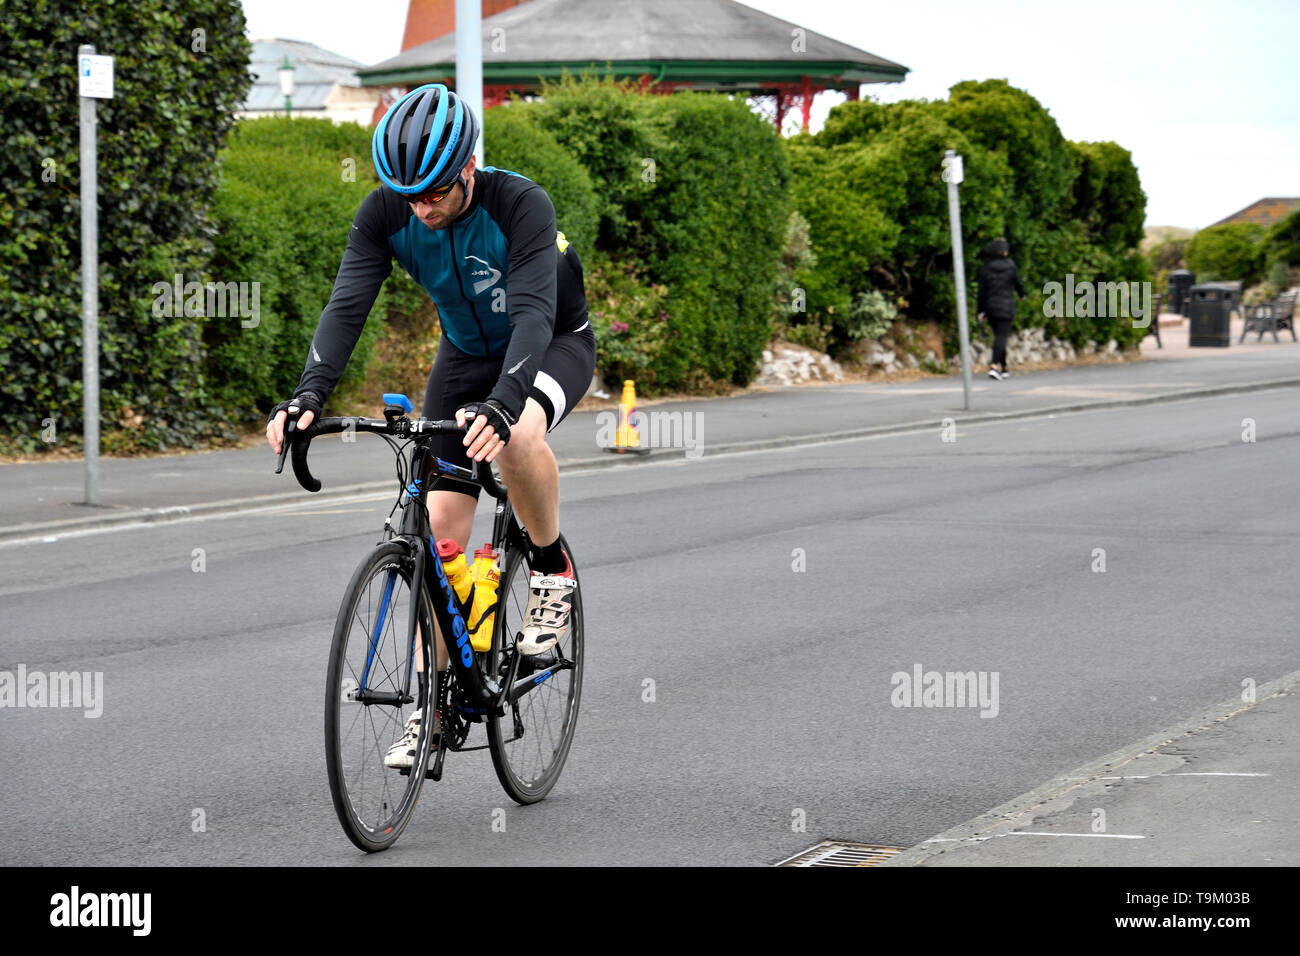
485	552
448	548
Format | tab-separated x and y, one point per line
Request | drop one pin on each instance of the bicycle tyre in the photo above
373	821
529	771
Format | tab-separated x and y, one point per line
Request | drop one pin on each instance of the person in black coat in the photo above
999	281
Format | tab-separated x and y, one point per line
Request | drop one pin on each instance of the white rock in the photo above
911	360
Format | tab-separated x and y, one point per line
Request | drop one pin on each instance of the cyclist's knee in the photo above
527	435
451	515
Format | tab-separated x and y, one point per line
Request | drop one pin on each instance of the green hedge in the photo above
1231	251
1282	243
158	138
695	192
289	191
606	127
715	220
869	185
513	139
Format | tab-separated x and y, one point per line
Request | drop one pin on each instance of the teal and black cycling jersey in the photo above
504	283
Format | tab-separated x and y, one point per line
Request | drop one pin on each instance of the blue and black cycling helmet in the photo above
424	140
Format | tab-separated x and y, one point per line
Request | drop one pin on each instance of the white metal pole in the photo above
953	175
89	290
469	63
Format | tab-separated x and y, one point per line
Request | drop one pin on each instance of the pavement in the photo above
1221	786
1216	790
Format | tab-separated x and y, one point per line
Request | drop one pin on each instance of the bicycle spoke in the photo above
371	655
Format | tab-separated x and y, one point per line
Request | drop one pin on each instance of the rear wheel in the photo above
531	741
372	689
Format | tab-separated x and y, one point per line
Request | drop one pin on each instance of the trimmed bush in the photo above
606	126
158	139
715	219
1282	244
694	188
869	185
516	140
289	191
1231	251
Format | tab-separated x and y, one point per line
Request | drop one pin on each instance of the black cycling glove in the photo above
303	402
496	416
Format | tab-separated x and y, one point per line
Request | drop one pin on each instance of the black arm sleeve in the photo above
1020	286
981	294
366	263
530	295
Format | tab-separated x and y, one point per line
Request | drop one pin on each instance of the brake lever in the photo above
291	426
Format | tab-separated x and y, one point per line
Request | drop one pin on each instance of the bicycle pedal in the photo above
547	658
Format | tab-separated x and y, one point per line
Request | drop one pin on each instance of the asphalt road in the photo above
773	691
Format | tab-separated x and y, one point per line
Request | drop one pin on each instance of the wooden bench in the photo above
1270	317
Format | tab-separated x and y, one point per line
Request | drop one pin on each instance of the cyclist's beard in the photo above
442	220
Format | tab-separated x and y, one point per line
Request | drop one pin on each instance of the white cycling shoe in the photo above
546	619
401	755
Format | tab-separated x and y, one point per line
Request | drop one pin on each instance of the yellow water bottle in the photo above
486	575
458	574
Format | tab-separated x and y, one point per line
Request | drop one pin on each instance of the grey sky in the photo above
1203	93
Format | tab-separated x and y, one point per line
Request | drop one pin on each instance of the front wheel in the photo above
375	683
530	742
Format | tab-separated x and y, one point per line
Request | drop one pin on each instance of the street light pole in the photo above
286	86
469	63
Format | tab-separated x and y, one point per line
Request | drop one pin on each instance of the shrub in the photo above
289	192
715	217
516	140
629	320
158	140
1231	251
1283	240
607	127
872	315
870	189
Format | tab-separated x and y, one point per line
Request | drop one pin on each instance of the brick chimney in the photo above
429	19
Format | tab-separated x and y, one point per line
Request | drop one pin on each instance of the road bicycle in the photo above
382	650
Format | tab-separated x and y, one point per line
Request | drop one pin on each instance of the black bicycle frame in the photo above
414	527
446	606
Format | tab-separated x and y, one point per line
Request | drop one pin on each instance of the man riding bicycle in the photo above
517	351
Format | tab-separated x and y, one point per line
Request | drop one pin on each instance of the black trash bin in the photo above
1210	313
1180	282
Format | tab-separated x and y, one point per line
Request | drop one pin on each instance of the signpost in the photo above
952	175
94	81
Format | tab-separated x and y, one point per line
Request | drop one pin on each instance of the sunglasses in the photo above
437	196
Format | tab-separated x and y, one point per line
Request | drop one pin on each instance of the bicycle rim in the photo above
530	743
370	656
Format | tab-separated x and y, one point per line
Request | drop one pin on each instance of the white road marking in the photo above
1112	836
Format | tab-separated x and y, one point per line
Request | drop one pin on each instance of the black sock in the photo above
550	559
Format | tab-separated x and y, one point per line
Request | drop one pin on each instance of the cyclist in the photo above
517	351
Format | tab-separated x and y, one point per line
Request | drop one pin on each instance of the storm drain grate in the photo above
839	853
